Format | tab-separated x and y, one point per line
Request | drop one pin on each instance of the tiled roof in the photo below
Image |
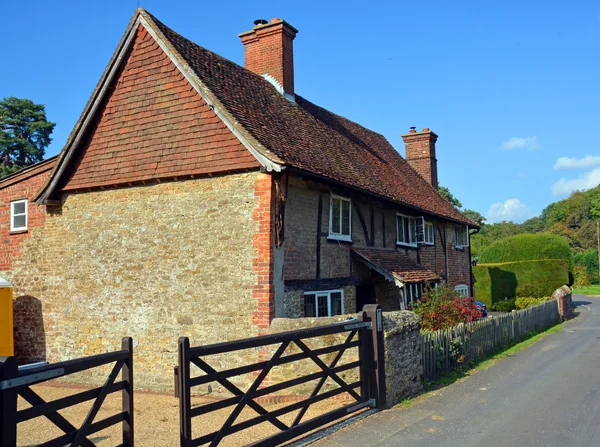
305	136
395	265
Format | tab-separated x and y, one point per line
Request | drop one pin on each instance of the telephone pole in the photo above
598	235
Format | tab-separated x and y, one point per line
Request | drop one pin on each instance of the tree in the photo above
24	134
446	194
474	216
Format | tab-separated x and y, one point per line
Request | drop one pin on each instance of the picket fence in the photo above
446	350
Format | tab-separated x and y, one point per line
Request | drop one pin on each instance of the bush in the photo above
586	268
504	306
525	302
527	247
494	282
443	308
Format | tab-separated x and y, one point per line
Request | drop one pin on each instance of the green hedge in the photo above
535	279
527	247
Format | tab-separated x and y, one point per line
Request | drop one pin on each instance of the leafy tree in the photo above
24	134
446	194
474	216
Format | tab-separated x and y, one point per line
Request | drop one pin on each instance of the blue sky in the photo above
511	87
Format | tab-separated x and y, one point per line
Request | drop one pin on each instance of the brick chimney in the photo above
268	49
420	153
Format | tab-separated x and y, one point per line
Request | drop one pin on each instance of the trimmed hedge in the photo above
527	247
535	279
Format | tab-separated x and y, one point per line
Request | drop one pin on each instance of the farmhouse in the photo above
197	197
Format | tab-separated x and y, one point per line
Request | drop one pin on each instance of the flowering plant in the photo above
443	308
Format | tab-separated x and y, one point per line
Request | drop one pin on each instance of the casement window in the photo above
18	215
429	233
410	230
462	289
340	218
462	236
324	304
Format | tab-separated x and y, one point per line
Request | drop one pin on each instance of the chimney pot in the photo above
425	129
275	19
413	130
260	22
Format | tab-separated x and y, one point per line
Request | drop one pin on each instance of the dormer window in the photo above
340	218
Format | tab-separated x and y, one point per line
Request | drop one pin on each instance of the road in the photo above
546	395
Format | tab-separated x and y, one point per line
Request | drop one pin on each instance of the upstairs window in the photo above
429	233
340	218
18	215
410	230
324	304
462	236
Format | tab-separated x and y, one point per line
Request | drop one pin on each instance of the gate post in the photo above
8	402
375	314
127	393
183	370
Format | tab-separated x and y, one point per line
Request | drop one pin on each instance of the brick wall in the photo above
153	262
303	257
23	185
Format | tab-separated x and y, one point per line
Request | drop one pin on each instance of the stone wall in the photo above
403	356
152	262
564	297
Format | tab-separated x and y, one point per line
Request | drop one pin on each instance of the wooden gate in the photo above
364	333
15	382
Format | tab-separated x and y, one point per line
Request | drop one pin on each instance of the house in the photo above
197	197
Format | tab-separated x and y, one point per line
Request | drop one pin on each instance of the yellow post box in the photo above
7	347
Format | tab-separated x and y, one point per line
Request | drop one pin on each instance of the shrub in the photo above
586	268
525	302
527	247
494	282
443	308
504	306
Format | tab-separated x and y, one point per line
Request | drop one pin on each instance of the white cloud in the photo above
587	162
588	180
511	210
527	143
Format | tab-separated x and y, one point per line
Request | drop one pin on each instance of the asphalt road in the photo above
546	395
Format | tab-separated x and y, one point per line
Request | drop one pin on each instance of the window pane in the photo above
19	208
322	309
345	218
309	306
19	221
401	229
413	230
336	303
335	216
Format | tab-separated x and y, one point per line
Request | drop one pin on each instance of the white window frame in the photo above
328	294
409	236
340	236
466	229
425	225
462	289
13	215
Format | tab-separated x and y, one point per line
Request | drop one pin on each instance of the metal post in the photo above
127	394
8	403
375	314
185	419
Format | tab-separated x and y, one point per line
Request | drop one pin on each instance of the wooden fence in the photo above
446	350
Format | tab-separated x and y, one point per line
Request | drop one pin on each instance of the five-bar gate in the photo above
364	333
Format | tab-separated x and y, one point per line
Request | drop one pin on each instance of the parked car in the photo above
482	308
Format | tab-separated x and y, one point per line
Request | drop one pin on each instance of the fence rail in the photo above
445	350
365	334
15	383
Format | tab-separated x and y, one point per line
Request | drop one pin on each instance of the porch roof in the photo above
394	266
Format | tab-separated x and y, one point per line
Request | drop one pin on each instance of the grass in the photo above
484	364
589	290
